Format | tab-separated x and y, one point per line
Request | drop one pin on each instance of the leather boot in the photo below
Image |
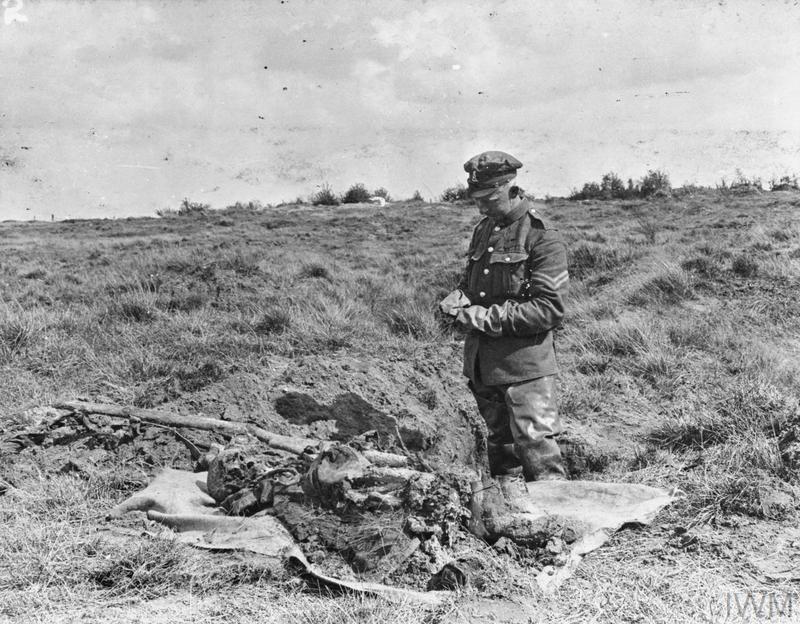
535	423
541	459
502	459
499	442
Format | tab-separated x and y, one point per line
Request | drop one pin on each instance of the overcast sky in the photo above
117	108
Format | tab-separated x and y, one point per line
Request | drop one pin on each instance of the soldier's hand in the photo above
479	318
452	303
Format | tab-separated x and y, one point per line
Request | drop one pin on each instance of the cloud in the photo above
369	92
544	51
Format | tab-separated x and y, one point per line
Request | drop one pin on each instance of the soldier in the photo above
509	301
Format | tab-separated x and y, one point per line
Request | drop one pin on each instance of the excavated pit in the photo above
358	508
379	484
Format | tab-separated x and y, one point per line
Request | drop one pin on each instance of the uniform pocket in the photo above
479	245
510	266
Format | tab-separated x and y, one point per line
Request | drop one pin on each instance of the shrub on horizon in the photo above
612	187
786	183
382	192
189	208
655	182
590	190
253	205
325	197
455	193
356	194
186	209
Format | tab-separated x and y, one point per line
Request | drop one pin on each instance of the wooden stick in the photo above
286	443
292	444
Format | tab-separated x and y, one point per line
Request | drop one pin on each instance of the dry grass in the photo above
57	567
683	318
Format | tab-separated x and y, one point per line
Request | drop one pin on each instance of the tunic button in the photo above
481	294
486	271
490	250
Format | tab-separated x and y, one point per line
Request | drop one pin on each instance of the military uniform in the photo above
518	270
515	283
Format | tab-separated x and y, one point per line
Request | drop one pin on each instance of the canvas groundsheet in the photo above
590	511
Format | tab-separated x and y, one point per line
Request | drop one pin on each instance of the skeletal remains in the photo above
376	509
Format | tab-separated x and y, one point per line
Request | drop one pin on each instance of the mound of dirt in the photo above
421	406
371	465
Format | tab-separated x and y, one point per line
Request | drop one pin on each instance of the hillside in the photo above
680	366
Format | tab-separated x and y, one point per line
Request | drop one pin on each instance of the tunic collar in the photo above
513	216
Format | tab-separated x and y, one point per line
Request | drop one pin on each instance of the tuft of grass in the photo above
587	395
660	368
694	430
744	475
184	301
312	271
443	280
241	262
781	235
648	227
16	335
628	337
136	307
721	494
597	237
690	333
586	258
20	330
328	324
746	409
704	266
744	266
670	285
194	376
146	569
413	319
273	320
733	474
36	274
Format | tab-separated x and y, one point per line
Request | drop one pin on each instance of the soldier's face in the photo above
495	205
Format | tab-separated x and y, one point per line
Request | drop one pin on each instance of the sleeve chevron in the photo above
549	281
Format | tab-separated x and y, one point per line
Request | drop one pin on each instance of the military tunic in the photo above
517	268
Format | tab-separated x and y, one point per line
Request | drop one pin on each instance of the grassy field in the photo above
680	357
